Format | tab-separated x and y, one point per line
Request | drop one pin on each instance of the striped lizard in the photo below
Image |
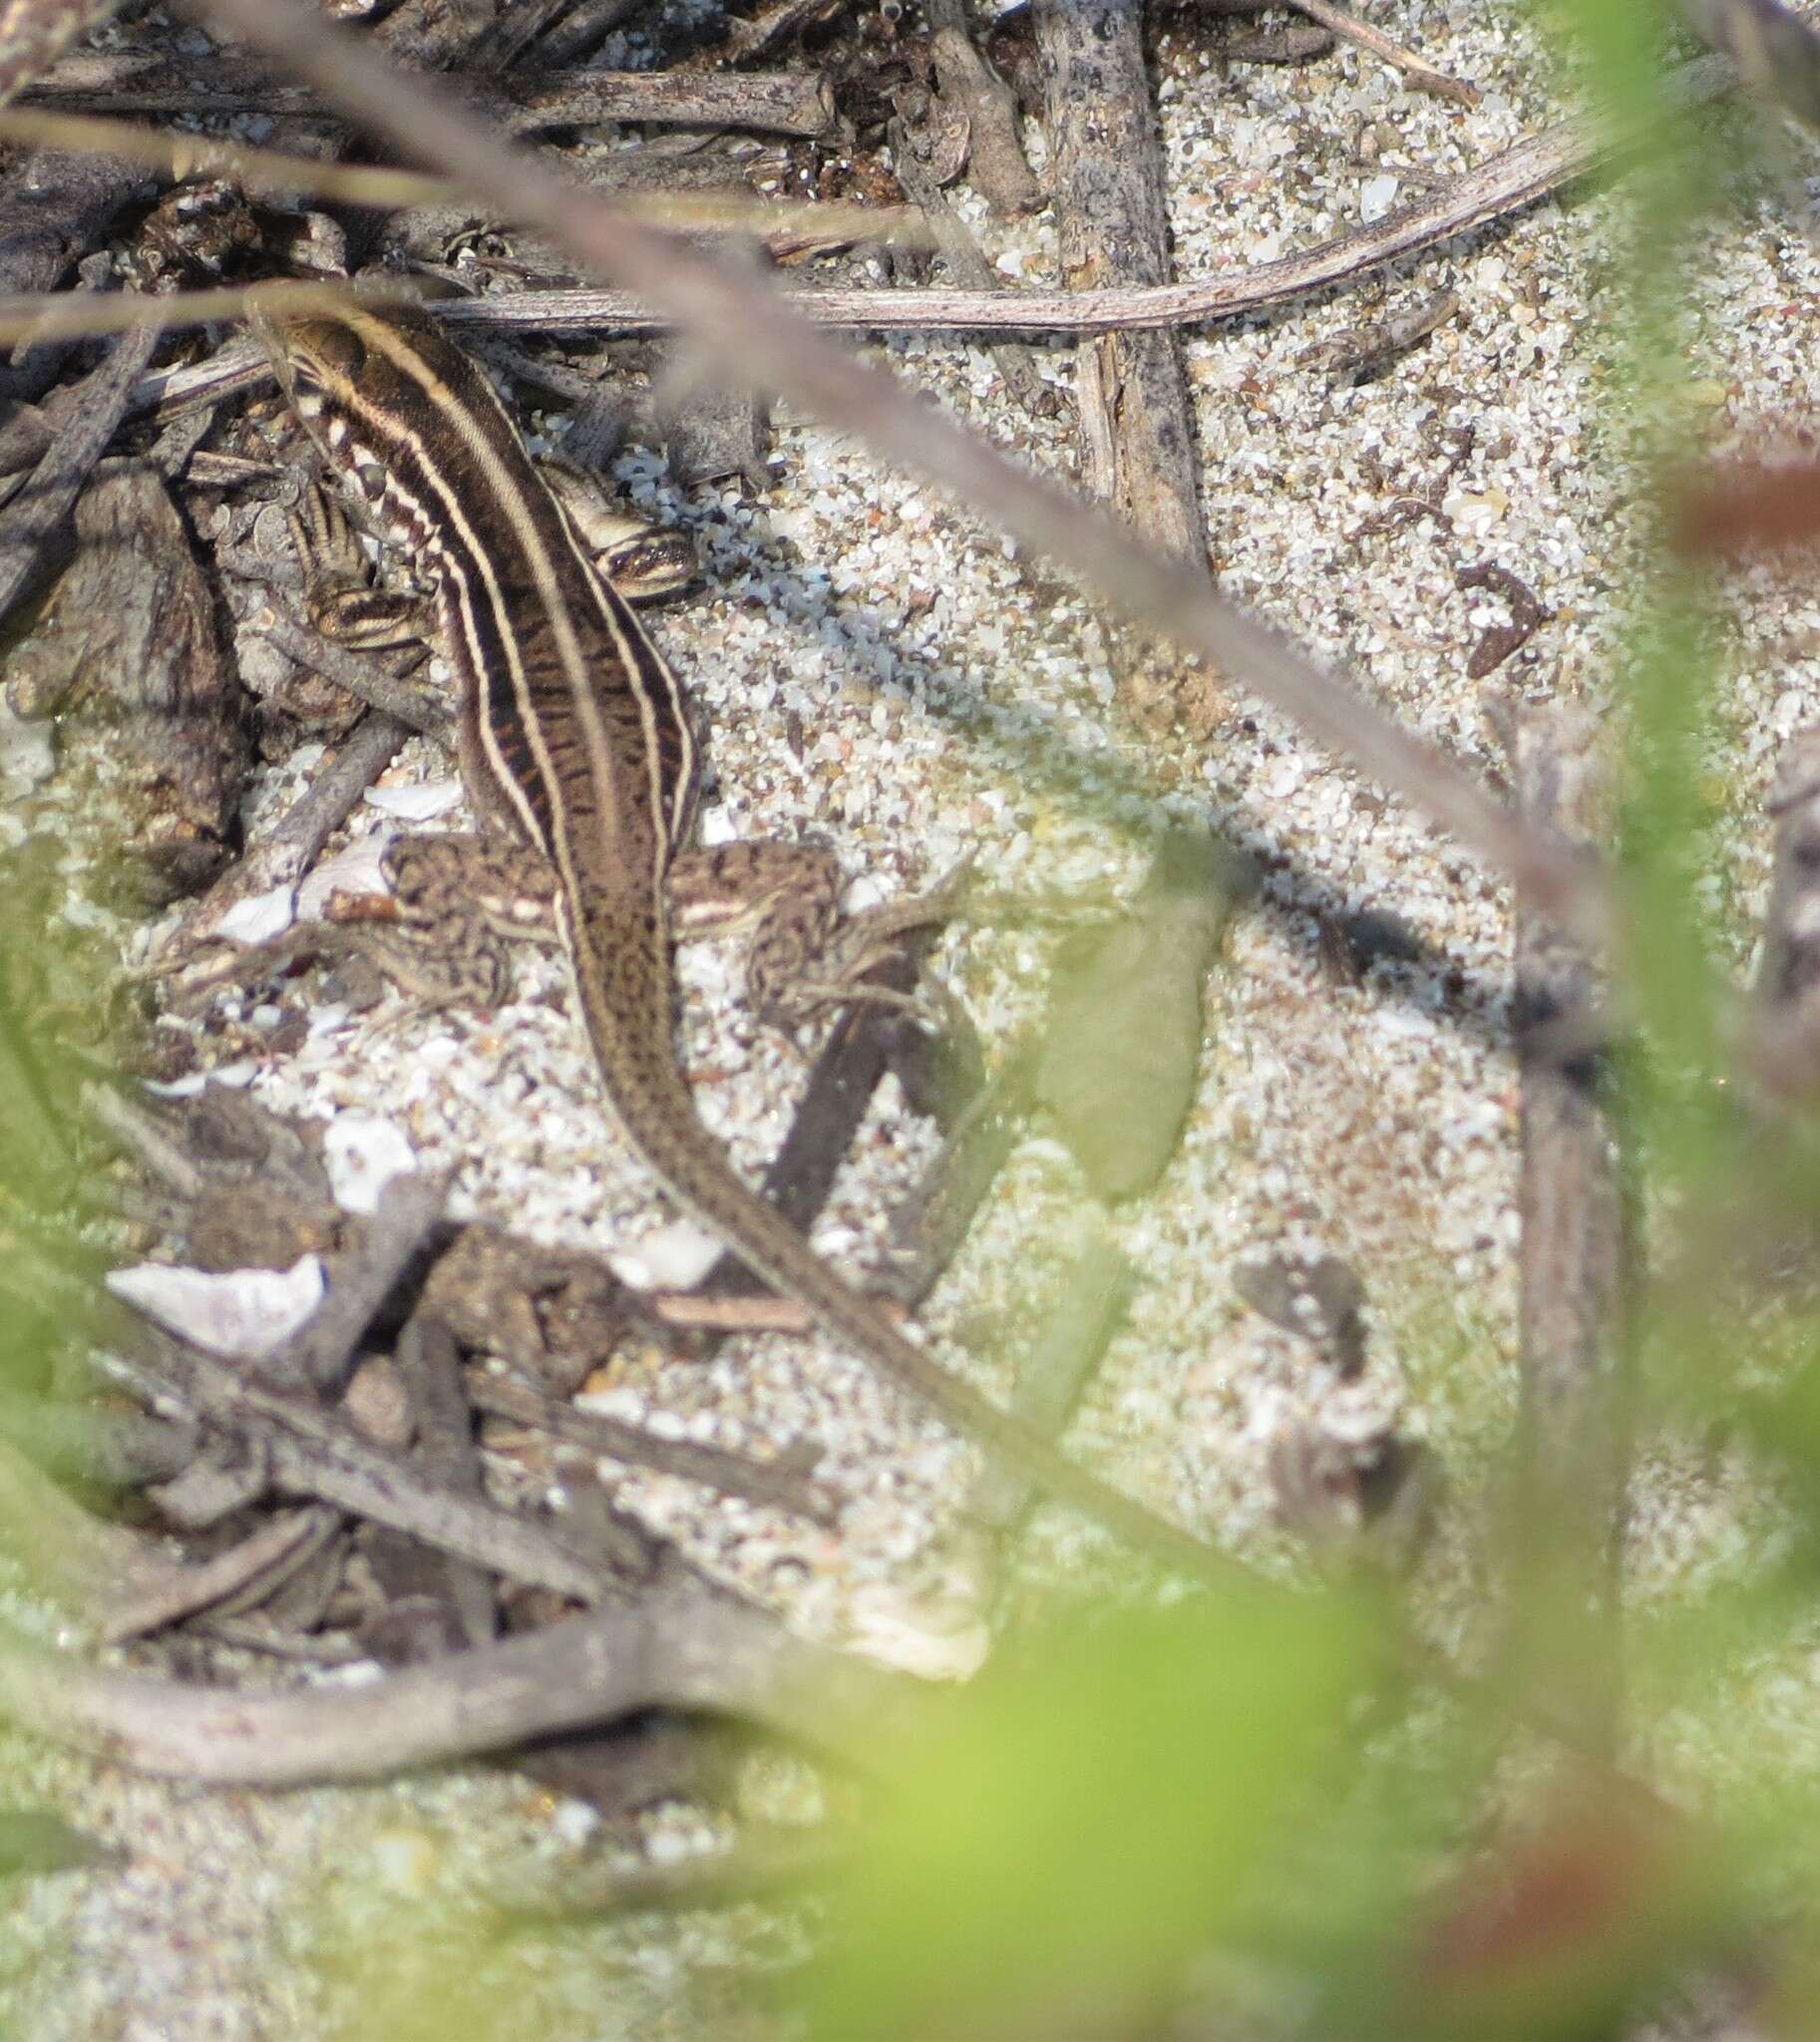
574	740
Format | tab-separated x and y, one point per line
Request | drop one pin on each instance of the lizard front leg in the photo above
802	953
339	595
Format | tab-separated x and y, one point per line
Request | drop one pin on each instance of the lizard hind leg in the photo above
441	935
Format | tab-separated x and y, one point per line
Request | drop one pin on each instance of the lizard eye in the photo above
372	479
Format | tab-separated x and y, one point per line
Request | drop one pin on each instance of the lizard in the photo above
574	740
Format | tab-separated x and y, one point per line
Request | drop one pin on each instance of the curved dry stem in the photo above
688	1649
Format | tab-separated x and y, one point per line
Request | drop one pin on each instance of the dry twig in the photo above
1342	22
1503	185
321	1354
311	1453
135	1612
443	1415
969	84
967	268
783	1483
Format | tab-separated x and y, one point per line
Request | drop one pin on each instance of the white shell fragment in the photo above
363	1152
931	1638
419	800
28	753
356	871
673	1257
260	917
1376	198
246	1313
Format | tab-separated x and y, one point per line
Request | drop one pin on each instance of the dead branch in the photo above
33	517
932	1221
967	268
1503	184
1575	1265
443	1415
309	823
583	30
320	1355
380	684
1137	452
1506	183
522	101
691	1647
311	1453
968	83
135	1612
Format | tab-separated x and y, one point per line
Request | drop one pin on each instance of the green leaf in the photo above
1095	1809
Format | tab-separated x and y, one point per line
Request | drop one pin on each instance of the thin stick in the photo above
743	329
1417	69
377	683
431	1365
706	1314
930	1226
320	1355
1505	183
145	1134
968	267
185	156
995	155
777	1484
133	1614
